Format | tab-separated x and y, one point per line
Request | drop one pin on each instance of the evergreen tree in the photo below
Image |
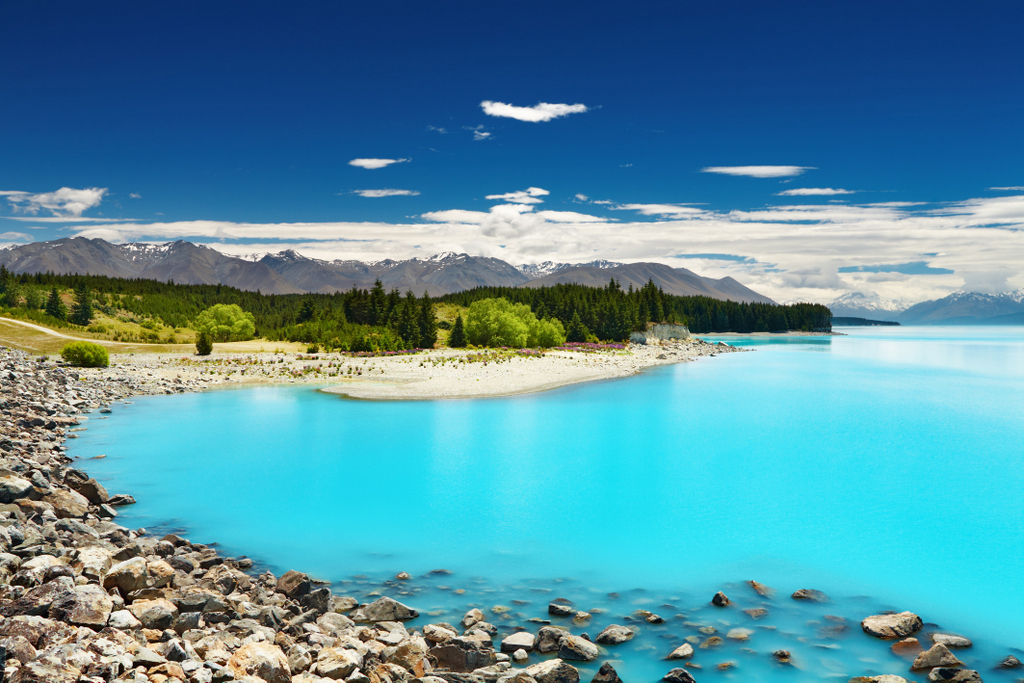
458	338
55	306
306	312
427	323
575	332
408	322
81	311
378	304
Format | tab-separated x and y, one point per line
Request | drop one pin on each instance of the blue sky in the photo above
235	124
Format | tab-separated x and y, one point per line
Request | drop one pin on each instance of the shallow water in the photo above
885	463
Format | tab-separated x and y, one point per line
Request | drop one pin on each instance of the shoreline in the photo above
84	599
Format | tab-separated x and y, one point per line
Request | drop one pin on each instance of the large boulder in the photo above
553	671
294	584
67	503
409	653
684	651
937	655
337	663
892	625
463	654
606	674
91	489
156	614
46	672
614	634
523	639
88	606
13	488
679	676
950	640
384	609
579	649
130	575
265	661
39	600
549	638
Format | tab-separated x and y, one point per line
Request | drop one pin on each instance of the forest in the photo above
378	320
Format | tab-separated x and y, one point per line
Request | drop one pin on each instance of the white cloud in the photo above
386	193
813	191
479	132
64	202
531	195
659	209
1014	188
16	237
535	114
134	195
758	171
376	163
580	197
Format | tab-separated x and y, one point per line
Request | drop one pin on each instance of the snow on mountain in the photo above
538	270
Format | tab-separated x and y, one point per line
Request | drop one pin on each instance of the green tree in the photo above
81	311
226	322
306	311
11	296
499	322
576	331
408	322
204	344
34	299
427	323
458	338
55	306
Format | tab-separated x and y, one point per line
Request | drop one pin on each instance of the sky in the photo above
808	149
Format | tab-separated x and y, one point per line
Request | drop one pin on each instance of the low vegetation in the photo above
85	355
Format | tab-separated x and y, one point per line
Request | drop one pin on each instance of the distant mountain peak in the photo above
538	270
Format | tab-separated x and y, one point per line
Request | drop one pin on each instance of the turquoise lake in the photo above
883	467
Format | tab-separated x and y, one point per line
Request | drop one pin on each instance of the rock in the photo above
937	655
679	676
557	610
908	647
123	620
384	609
471	617
756	613
39	600
761	589
160	574
265	661
127	576
147	658
553	671
606	674
954	675
614	634
18	647
403	576
549	638
1010	662
438	634
156	614
92	490
464	654
783	656
522	640
13	488
520	656
576	648
294	584
720	600
46	672
739	634
684	651
409	654
950	640
88	606
892	625
319	600
810	595
67	503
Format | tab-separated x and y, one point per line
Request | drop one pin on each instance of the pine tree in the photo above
204	344
408	323
81	311
458	338
427	323
306	312
55	306
575	332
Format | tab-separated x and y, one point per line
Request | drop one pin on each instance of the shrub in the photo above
499	322
85	354
313	348
204	344
226	322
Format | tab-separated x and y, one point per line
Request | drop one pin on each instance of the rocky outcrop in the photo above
937	655
614	634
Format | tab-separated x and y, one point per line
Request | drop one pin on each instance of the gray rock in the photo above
954	675
384	609
553	671
892	625
576	648
464	654
606	674
549	638
614	634
127	576
471	617
88	606
810	595
684	651
520	656
950	640
46	672
294	584
123	620
937	655
265	661
679	676
557	610
13	488
720	600
156	614
523	640
1010	662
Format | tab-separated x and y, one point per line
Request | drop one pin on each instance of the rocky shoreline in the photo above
83	599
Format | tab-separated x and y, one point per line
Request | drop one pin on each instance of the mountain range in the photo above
959	308
289	272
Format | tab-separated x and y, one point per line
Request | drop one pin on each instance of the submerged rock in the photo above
761	589
523	640
576	648
954	675
606	674
384	609
679	676
892	625
950	640
614	634
553	671
810	595
1010	662
720	600
684	651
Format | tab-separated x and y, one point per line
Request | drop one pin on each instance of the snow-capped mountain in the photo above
968	308
536	270
867	305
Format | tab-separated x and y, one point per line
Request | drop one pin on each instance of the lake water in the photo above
883	467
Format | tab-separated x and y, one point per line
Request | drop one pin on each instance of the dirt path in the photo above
53	333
